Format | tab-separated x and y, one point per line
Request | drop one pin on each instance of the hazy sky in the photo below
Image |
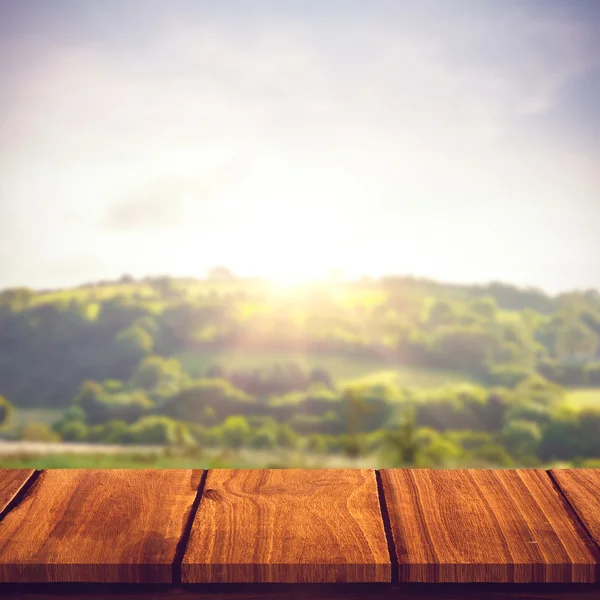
456	139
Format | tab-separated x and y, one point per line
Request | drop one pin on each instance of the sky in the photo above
451	139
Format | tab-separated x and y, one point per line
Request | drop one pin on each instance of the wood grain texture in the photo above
485	526
289	526
12	482
581	488
97	526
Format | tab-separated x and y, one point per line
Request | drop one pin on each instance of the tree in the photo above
286	437
235	432
521	438
316	443
216	372
16	298
403	441
560	436
134	343
540	391
508	375
353	446
72	431
164	286
154	370
485	307
494	454
574	340
38	432
6	410
319	375
263	439
592	373
437	452
218	395
221	274
589	432
356	407
471	348
155	429
100	406
440	313
90	400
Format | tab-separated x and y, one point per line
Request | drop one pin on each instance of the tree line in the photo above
110	354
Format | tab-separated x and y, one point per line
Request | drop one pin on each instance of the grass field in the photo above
342	369
209	459
22	416
584	397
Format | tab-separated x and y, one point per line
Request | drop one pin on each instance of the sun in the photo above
290	274
285	256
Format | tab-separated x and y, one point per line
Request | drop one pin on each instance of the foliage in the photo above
38	432
6	409
151	362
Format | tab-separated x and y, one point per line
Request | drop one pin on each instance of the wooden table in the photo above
300	533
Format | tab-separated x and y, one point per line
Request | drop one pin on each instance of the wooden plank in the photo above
289	526
581	487
484	526
12	482
97	526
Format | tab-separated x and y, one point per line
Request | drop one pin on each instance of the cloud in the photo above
294	81
175	200
380	123
157	207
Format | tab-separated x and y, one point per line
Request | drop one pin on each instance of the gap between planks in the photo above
183	542
572	511
20	493
387	526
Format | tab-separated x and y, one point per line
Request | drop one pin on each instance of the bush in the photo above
438	453
493	454
521	438
235	432
154	370
160	430
100	406
38	432
73	431
592	374
112	385
286	437
216	394
263	439
507	376
316	444
6	410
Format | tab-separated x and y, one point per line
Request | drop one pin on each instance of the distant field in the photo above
209	459
22	416
342	369
102	292
584	397
411	377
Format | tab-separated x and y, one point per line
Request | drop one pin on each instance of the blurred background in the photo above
285	234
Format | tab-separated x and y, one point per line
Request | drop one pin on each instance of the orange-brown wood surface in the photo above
581	487
11	483
97	526
292	525
485	526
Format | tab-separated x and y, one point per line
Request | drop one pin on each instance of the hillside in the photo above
481	370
